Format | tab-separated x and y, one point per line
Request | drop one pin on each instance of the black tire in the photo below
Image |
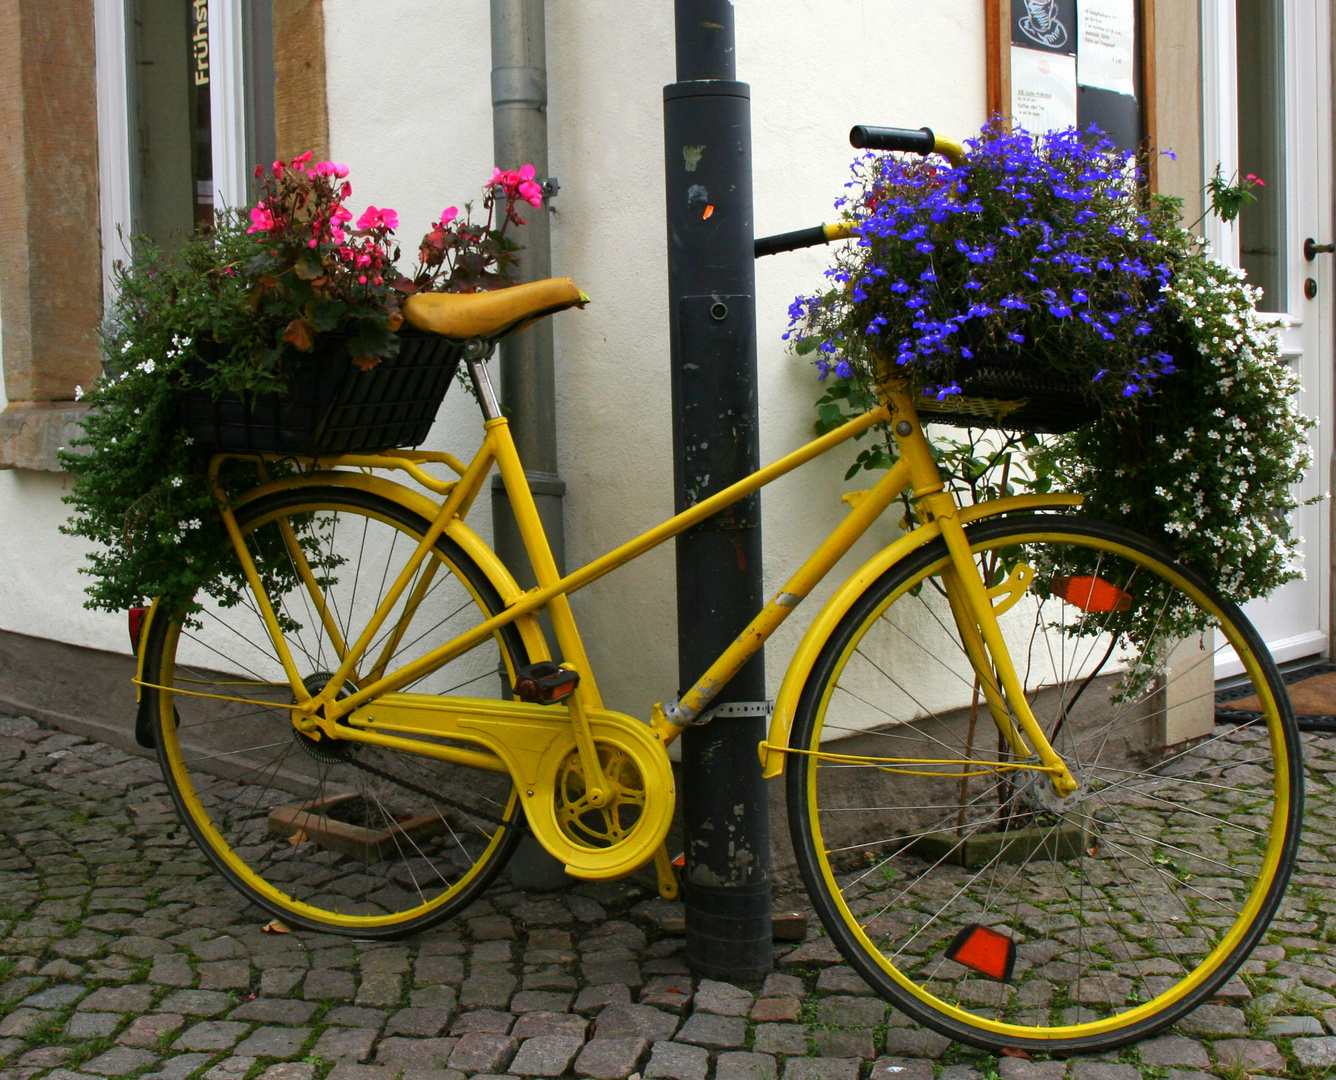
405	840
1116	902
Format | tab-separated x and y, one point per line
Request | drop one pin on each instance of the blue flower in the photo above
843	370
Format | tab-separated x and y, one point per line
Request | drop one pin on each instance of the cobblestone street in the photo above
125	956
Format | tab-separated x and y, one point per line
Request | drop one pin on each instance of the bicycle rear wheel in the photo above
332	835
966	892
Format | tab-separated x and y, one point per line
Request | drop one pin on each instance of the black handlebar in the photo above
919	141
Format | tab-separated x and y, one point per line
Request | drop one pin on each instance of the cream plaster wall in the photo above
410	113
607	65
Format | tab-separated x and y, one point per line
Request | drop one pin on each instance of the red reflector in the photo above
1092	594
136	625
681	861
984	950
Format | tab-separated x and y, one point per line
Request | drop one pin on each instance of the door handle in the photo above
1312	249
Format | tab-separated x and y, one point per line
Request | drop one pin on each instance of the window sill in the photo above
32	432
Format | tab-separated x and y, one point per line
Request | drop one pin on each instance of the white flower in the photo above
176	481
78	393
147	366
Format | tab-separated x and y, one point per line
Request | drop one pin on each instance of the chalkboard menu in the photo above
1056	63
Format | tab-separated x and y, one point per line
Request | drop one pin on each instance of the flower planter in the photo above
332	406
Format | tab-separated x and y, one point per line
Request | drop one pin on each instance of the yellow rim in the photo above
1246	917
218	845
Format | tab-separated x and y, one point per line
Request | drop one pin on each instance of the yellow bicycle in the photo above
1006	792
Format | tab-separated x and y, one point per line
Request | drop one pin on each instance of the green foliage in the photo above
1229	198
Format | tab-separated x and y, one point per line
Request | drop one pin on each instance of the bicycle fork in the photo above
972	606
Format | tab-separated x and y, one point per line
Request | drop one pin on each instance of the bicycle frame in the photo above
940	515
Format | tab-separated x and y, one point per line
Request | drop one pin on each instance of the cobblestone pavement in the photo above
123	955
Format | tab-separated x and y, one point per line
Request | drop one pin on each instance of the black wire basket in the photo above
1013	392
331	406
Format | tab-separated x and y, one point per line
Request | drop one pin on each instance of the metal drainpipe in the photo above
519	137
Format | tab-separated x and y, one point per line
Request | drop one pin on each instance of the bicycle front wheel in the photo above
941	860
332	835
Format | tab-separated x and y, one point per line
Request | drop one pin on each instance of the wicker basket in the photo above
1015	392
332	406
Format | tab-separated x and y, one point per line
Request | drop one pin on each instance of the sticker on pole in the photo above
985	951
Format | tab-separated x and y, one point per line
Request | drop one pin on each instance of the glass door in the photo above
1267	101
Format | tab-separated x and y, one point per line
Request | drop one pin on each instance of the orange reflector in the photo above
1092	594
986	951
708	211
681	861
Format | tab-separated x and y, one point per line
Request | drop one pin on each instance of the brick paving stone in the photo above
610	1059
550	979
544	1023
119	1061
781	1038
491	991
171	969
9	1047
915	1042
490	1021
211	1035
625	972
820	951
492	928
438	969
1255	1055
1010	1068
196	1002
546	1055
841	980
917	1069
714	1032
851	1011
845	1043
233	1068
1215	1020
1102	1070
352	1044
328	983
1190	1074
280	982
963	1072
393	959
722	999
492	952
225	975
380	988
670	992
421	1023
540	1001
55	997
347	1070
46	1057
92	1025
480	1051
816	1068
433	997
177	1067
777	1010
593	998
288	1070
145	1031
276	1042
779	985
739	1065
1295	1025
23	1022
635	1021
274	1011
1315	1053
431	1053
1174	1050
118	999
676	1061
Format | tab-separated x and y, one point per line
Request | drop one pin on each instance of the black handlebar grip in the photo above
919	141
791	241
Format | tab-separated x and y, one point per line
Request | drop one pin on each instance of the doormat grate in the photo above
1312	689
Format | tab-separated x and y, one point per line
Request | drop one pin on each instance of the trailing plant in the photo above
1045	247
231	310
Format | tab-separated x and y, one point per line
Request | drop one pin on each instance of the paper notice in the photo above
1043	90
1107	45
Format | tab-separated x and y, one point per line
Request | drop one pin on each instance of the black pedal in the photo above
545	683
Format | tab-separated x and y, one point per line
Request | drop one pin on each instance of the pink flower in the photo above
261	219
526	172
375	218
346	190
278	168
313	243
1256	180
531	193
362	279
302	159
448	215
342	213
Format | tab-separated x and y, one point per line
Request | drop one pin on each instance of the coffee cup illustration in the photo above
1040	23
